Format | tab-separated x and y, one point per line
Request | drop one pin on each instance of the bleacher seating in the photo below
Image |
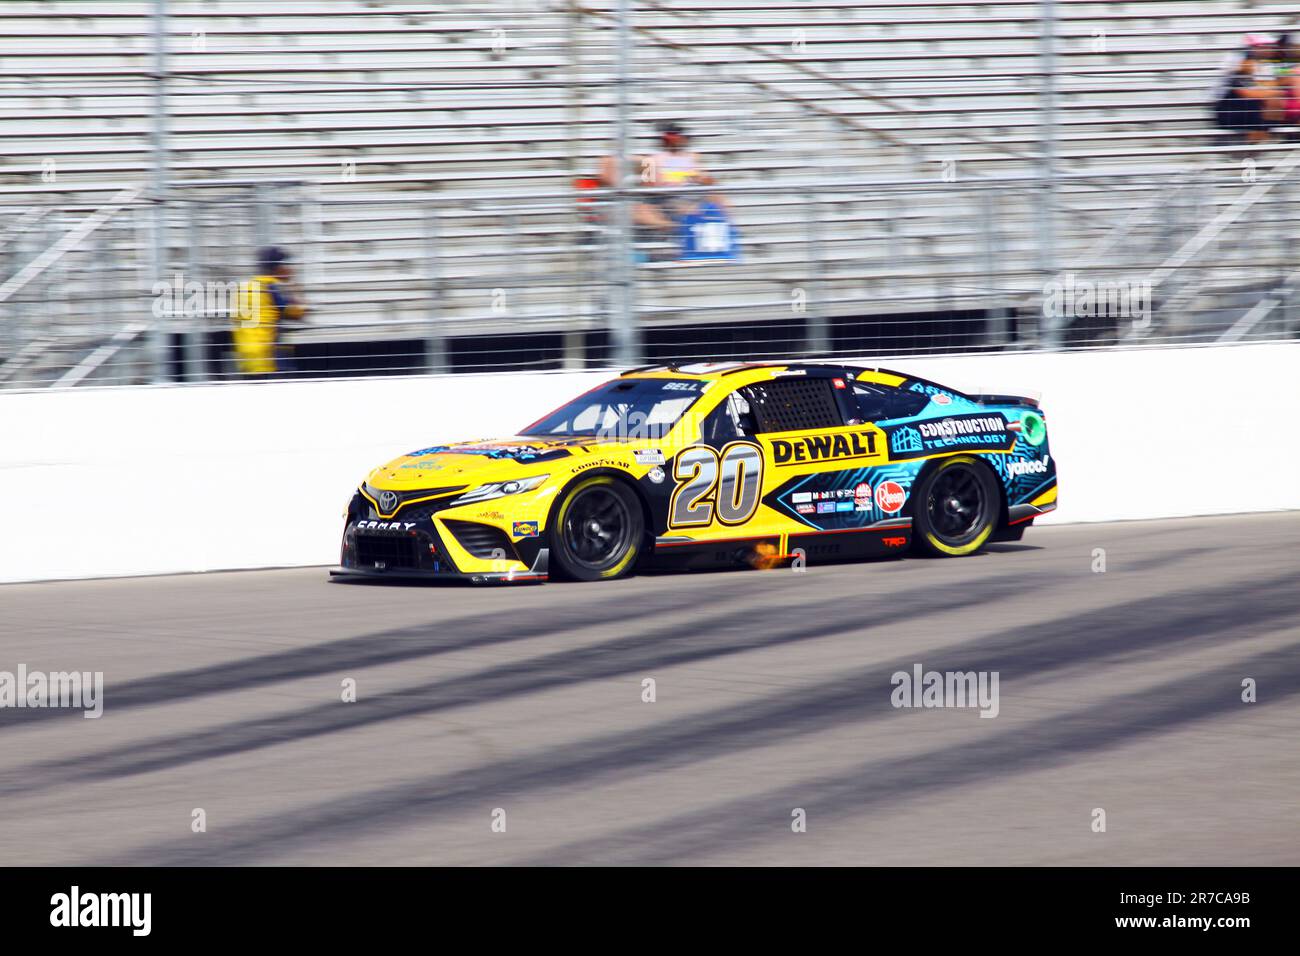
361	116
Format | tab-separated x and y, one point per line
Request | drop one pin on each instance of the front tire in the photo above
598	530
956	509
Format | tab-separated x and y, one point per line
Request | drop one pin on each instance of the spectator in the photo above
673	167
1250	100
1288	69
266	304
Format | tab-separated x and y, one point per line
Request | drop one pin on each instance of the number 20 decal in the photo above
727	482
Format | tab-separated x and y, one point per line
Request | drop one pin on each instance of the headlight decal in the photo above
500	489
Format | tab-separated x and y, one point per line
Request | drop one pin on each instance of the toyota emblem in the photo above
388	501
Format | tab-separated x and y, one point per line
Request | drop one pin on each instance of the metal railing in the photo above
532	280
440	230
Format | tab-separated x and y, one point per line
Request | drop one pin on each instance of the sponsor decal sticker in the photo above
844	506
890	496
649	456
966	425
525	529
930	390
800	497
1017	468
541	452
806	509
825	507
941	435
905	439
862	495
656	475
798	451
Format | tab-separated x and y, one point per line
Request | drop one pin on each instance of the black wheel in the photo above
956	508
597	531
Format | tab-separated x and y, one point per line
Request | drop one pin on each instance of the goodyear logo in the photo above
814	448
525	529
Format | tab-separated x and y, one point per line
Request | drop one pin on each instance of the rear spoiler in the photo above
1005	400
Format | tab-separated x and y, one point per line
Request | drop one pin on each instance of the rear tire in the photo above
956	508
597	532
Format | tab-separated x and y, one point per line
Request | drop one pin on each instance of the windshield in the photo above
626	408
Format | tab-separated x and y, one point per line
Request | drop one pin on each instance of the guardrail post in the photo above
574	357
626	338
435	339
1284	242
100	285
263	217
996	332
817	339
156	338
1050	326
9	266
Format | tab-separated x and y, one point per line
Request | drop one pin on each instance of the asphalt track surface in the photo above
1119	690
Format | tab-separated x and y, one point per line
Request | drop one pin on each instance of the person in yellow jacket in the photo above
266	303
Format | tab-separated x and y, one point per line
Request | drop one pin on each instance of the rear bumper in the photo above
1019	514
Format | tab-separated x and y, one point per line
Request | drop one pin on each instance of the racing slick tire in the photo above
957	508
598	530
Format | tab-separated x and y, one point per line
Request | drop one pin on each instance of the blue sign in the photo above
707	233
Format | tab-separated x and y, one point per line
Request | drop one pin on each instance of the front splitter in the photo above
484	577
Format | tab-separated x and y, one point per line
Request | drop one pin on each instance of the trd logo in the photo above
823	448
893	542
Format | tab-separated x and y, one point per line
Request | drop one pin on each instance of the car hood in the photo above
477	462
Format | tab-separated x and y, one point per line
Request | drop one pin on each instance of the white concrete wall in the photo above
149	480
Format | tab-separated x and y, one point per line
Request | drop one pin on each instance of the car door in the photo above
812	445
760	436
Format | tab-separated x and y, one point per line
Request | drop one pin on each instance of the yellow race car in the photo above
712	465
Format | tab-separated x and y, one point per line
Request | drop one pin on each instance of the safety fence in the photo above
917	177
400	285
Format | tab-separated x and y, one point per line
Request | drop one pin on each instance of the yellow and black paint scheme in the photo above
769	464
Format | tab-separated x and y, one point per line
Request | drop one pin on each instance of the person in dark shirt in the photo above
1251	99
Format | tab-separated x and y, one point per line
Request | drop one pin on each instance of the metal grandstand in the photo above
907	177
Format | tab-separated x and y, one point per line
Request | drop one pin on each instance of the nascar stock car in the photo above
711	465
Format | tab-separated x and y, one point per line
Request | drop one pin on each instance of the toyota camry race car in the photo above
712	465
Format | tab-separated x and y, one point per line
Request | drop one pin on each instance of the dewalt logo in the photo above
817	448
